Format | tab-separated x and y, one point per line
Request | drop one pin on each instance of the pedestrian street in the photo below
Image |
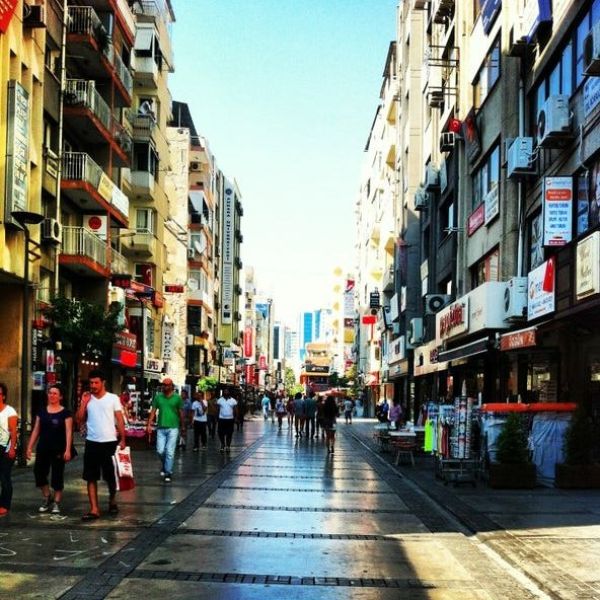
277	518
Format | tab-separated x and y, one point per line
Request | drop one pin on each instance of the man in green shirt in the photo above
170	420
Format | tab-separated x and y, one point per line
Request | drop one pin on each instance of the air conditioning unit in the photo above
51	231
447	141
191	253
435	302
432	178
515	298
553	122
34	15
519	157
195	166
421	199
591	51
415	331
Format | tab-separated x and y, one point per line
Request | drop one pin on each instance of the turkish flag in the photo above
548	283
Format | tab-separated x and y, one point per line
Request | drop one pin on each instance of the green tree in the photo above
512	442
207	384
83	327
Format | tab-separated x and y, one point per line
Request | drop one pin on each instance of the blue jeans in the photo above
166	442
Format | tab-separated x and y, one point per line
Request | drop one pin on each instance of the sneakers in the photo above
46	505
55	510
162	473
167	479
196	449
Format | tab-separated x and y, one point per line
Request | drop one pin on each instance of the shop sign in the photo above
525	338
540	290
534	13
397	350
7	10
168	334
228	357
403	298
97	224
476	220
591	95
158	300
453	320
558	210
587	279
489	12
248	342
262	362
492	204
17	150
120	200
50	361
426	359
153	365
105	187
349	298
174	289
228	251
125	341
38	380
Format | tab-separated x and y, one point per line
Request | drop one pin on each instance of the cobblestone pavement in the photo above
279	518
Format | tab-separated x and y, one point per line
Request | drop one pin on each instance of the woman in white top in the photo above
227	409
8	449
199	420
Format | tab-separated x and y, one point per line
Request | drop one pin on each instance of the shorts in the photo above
98	460
45	461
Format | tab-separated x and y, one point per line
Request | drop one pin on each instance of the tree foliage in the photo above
512	442
207	384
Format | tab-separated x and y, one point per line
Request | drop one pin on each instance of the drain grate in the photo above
319	477
324	491
282	534
299	508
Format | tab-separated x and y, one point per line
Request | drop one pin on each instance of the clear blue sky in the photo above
285	91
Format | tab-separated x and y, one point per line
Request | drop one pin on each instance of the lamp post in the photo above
25	218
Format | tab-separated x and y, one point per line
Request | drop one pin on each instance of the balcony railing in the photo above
123	73
118	263
78	166
143	126
81	92
83	20
78	241
121	136
148	8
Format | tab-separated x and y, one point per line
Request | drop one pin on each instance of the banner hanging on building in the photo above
228	251
558	210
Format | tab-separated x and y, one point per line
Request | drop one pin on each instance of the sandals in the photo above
90	517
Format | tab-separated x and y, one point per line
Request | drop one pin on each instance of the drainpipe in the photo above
521	220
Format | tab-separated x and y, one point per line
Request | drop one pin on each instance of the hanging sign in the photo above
558	210
540	290
587	278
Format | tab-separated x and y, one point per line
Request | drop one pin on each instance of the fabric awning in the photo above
143	39
471	349
197	201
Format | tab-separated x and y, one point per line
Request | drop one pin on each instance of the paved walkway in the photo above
280	518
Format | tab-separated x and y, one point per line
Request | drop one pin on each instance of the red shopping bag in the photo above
124	469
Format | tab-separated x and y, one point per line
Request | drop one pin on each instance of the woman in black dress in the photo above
54	430
330	414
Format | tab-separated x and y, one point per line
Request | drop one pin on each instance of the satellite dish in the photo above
192	284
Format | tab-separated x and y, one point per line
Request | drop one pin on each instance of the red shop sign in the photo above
476	220
518	339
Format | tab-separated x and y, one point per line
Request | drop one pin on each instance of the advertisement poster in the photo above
558	210
540	290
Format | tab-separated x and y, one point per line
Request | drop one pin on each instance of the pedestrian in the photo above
54	429
395	415
8	449
310	413
99	411
272	403
199	420
265	403
227	410
169	405
290	413
348	408
187	416
212	415
240	413
382	410
299	414
319	424
330	413
280	410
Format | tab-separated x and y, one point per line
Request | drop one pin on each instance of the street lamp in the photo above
25	218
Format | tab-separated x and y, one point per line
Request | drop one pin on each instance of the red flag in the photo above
548	284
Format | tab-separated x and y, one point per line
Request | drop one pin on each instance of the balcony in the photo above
83	253
388	279
143	127
141	243
90	51
142	183
123	144
147	71
118	263
82	100
87	186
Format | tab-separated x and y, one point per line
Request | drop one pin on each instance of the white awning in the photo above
197	201
143	39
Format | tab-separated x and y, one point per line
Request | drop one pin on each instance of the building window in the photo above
199	276
144	273
486	269
487	176
145	158
447	218
536	241
144	220
488	74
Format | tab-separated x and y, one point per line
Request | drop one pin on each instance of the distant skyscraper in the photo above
306	331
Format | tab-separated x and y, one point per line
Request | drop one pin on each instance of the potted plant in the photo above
579	469
513	469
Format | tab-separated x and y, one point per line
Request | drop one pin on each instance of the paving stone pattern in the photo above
281	516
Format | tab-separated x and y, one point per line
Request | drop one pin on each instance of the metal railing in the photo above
121	136
143	126
81	92
144	238
123	73
83	20
78	166
147	8
78	241
118	263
